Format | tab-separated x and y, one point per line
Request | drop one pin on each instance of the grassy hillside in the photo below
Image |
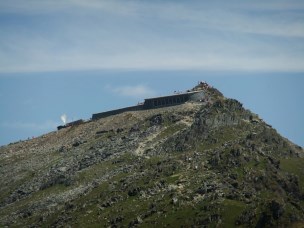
196	164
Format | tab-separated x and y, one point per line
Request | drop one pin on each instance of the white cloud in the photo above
244	18
137	91
151	35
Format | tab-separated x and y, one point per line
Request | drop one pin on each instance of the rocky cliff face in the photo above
210	163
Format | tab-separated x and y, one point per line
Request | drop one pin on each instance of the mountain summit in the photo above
201	161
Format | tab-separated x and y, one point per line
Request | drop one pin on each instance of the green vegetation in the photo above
219	137
294	166
231	210
171	130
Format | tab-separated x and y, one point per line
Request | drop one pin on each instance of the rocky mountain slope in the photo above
200	164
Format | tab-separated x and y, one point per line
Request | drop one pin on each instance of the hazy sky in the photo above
78	57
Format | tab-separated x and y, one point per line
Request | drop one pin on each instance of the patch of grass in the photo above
23	204
258	166
170	130
219	137
14	184
90	173
294	166
172	179
176	217
153	160
231	210
266	194
85	209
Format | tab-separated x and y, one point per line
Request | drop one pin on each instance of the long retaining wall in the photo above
116	111
156	102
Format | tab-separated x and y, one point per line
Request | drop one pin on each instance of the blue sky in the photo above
80	57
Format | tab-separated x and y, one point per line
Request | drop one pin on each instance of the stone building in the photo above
175	99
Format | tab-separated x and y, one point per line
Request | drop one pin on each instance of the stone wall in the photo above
116	111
